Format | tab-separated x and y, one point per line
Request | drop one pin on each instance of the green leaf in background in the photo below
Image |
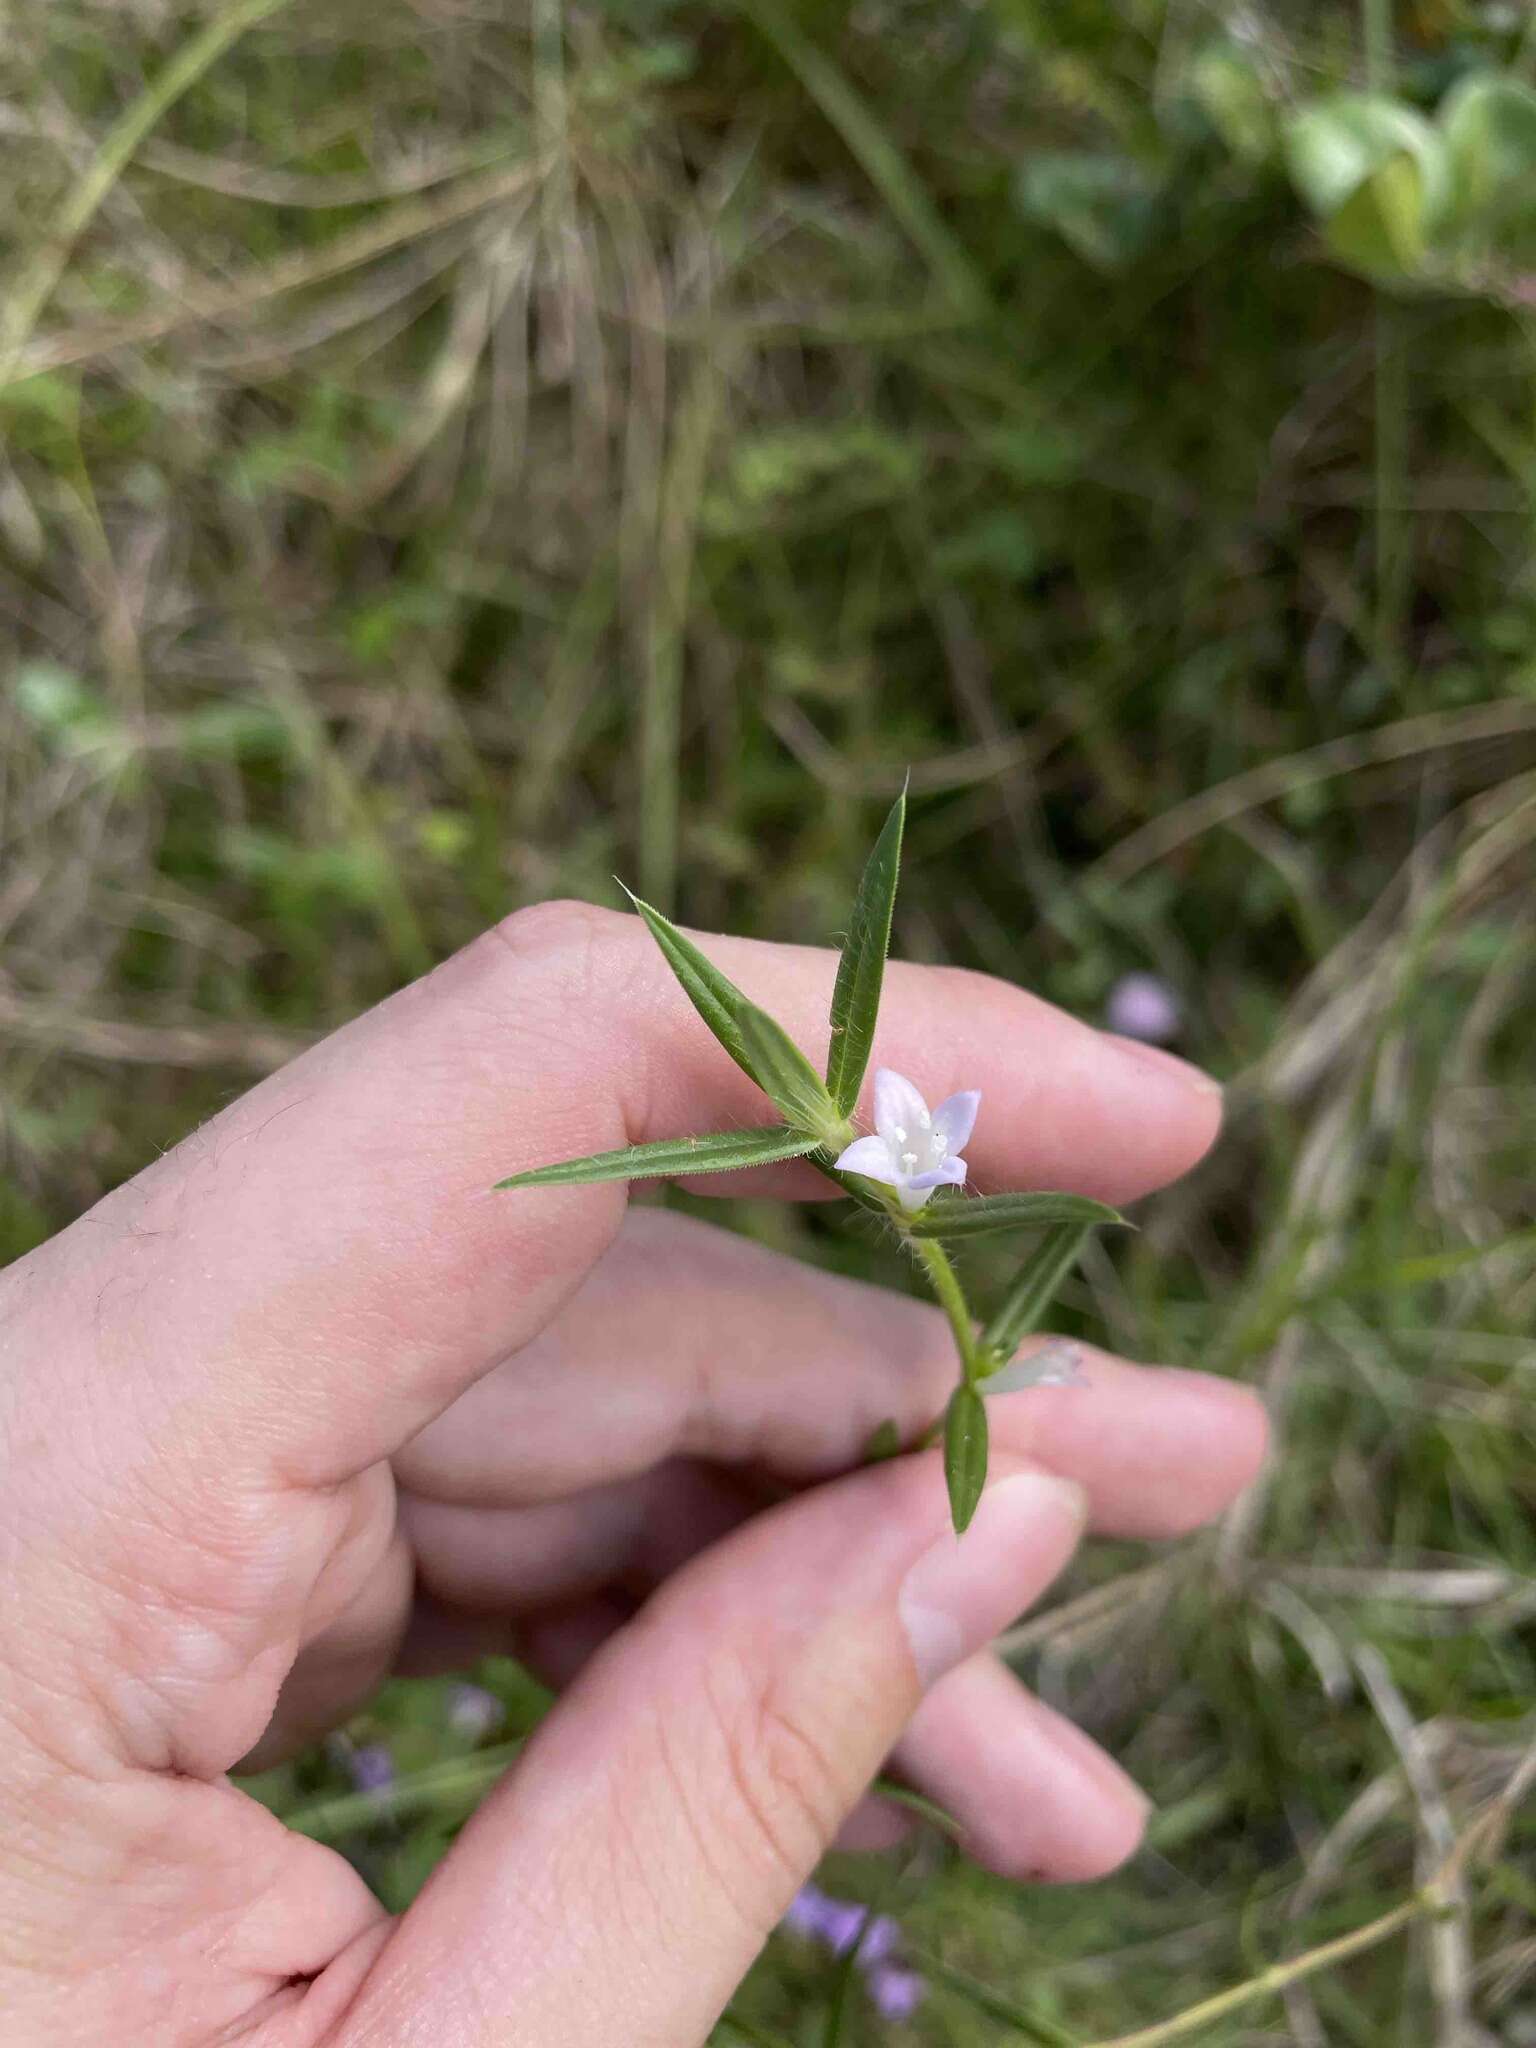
1103	207
1489	126
965	1453
1230	91
860	971
1374	174
884	1442
956	1216
783	1072
716	998
718	1152
1033	1290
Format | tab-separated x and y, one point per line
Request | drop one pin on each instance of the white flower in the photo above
913	1151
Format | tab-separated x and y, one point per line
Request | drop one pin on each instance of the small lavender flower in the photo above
914	1150
1141	1006
372	1767
837	1924
473	1712
896	1993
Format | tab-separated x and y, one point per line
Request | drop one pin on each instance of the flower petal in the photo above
899	1108
869	1156
955	1118
949	1173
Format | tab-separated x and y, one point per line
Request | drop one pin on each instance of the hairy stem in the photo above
945	1282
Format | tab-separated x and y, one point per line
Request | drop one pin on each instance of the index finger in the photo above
322	1268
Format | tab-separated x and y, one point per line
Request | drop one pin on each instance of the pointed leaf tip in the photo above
714	995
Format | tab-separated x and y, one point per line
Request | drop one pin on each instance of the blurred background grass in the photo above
454	450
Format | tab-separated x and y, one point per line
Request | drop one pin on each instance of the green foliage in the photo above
959	1216
720	1152
713	994
965	1453
1033	1290
787	1076
1094	551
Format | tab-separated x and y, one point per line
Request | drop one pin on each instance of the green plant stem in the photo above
951	1296
1269	1981
30	294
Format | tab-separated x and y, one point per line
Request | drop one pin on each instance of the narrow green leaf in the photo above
714	995
1033	1290
965	1453
782	1071
750	2032
958	1216
860	971
716	1152
1031	2025
884	1442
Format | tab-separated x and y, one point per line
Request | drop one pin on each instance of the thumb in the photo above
623	1877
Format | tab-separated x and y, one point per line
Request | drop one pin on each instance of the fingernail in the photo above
966	1589
1152	1059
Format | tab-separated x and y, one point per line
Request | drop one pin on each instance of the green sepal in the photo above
716	1152
965	1453
860	971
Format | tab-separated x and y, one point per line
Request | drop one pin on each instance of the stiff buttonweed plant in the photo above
910	1171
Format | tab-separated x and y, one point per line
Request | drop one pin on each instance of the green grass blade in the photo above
717	1152
1034	1289
29	295
860	971
1030	2025
965	1453
882	162
714	995
958	1218
784	1072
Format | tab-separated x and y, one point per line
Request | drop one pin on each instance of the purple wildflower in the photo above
837	1924
896	1993
473	1712
372	1767
1141	1006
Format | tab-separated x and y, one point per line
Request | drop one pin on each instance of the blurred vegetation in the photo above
453	451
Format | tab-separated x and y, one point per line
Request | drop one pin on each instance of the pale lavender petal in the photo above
880	1942
869	1156
1142	1006
896	1993
900	1112
955	1118
949	1173
807	1913
911	1198
371	1767
841	1924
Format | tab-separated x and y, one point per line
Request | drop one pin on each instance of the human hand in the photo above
304	1399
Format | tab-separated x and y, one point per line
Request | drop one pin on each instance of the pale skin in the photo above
305	1403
